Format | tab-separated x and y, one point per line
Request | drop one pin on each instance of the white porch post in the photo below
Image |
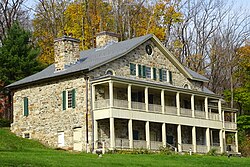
192	105
194	139
219	108
146	98
111	94
179	138
221	141
130	133
147	134
162	101
95	134
112	133
93	97
178	103
129	97
206	107
236	142
208	139
164	141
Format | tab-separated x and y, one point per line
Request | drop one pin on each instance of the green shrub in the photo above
212	152
4	123
166	150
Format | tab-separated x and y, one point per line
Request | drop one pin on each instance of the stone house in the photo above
121	95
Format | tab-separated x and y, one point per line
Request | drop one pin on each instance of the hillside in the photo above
16	151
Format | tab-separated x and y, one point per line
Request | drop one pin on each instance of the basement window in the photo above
26	135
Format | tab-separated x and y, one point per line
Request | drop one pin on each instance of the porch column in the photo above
192	105
95	134
219	109
208	139
194	139
147	134
111	97
236	142
130	133
164	141
129	97
179	144
162	101
178	103
93	97
221	141
206	107
223	118
146	98
112	133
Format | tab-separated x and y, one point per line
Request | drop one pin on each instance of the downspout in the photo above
87	112
92	117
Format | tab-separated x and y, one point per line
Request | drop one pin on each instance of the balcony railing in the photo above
139	143
121	103
122	143
214	116
171	110
230	125
186	112
200	114
100	104
155	108
201	148
138	105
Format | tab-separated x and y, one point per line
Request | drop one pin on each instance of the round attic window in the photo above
149	50
110	72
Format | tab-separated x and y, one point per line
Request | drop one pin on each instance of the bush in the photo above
212	152
4	123
166	150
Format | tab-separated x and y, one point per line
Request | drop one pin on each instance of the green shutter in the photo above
139	70
170	77
160	74
132	69
26	106
144	71
64	100
154	73
73	98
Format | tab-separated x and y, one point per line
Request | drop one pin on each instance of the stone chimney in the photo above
66	52
103	38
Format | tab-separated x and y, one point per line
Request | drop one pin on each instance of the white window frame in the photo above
148	72
166	75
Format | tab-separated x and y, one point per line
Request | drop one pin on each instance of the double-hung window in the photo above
164	75
69	100
132	69
148	72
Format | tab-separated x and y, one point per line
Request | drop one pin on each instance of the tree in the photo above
18	56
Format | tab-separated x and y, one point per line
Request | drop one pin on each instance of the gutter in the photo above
87	112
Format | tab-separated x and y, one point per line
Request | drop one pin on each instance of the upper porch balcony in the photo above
140	98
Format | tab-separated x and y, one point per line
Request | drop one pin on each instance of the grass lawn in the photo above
16	151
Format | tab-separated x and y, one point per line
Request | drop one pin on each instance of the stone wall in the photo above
139	56
46	116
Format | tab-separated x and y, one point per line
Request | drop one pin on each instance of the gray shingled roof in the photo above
90	59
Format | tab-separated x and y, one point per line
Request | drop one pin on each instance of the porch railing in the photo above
155	145
214	116
139	143
155	108
187	147
186	112
230	125
122	143
200	114
171	110
201	148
